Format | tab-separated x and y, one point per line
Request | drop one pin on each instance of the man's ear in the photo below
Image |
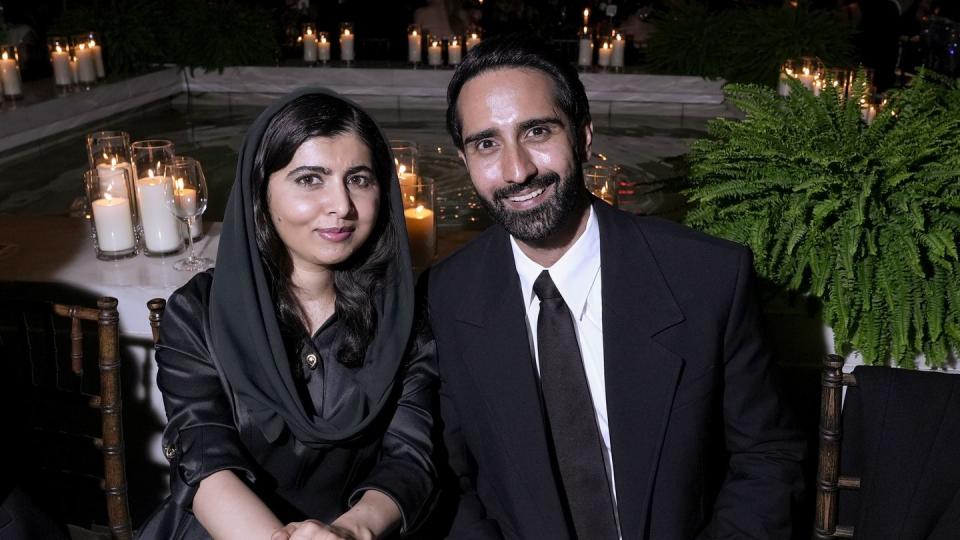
587	139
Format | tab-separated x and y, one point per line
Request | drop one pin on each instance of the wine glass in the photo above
186	197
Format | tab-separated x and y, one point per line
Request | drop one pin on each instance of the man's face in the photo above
520	151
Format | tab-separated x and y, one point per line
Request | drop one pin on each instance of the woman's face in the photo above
325	202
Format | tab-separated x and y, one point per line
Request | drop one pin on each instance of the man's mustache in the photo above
536	182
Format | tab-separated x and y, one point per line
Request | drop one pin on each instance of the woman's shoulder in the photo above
186	311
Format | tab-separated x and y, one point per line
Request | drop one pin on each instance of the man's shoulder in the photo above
466	257
669	240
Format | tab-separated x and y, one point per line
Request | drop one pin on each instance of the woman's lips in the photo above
336	234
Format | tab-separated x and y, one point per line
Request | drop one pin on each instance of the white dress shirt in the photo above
577	277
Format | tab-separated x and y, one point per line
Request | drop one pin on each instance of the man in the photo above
594	365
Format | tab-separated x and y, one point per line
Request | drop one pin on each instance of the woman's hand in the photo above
312	529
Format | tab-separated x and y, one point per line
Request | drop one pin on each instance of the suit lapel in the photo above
641	375
496	349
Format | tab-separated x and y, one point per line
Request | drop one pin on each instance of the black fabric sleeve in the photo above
405	471
766	446
201	436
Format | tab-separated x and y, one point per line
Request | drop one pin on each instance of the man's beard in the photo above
535	226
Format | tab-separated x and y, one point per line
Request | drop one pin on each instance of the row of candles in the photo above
610	48
316	45
815	77
76	61
127	194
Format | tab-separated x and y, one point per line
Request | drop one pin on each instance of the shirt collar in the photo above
574	274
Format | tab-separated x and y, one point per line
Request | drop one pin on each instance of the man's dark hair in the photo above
521	51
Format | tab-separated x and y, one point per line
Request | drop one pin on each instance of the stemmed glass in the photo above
186	197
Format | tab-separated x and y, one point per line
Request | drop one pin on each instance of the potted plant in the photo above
864	217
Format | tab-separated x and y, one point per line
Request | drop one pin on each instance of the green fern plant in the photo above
865	218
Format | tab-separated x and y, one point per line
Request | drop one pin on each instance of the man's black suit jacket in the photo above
701	444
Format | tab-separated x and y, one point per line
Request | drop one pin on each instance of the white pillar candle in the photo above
61	67
604	55
435	54
422	235
161	233
309	46
454	53
868	113
585	56
113	179
10	75
86	69
472	41
413	47
323	48
111	217
97	53
346	46
619	45
74	72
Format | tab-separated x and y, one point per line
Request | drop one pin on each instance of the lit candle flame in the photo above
107	196
150	173
59	49
4	56
346	32
414	33
93	43
309	31
419	208
474	35
401	169
323	39
113	162
178	186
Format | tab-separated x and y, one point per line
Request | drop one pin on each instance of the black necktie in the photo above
571	417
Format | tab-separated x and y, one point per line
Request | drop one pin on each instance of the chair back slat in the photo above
156	307
829	480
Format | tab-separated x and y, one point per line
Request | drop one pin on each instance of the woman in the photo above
299	399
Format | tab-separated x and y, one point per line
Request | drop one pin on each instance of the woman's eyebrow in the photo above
310	168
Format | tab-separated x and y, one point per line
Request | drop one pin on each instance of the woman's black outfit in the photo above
308	434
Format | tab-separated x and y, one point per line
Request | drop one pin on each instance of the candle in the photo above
187	201
806	78
619	45
435	54
61	67
422	235
10	75
161	232
454	52
323	47
86	69
309	46
112	177
868	113
346	45
585	56
74	75
473	41
408	181
413	47
603	58
111	217
586	16
97	55
783	87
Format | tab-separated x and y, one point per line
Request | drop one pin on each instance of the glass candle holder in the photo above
405	155
86	62
108	147
414	44
418	212
346	42
161	233
601	180
147	156
473	37
605	54
59	49
619	47
96	51
454	50
10	72
308	37
434	51
585	49
111	214
323	47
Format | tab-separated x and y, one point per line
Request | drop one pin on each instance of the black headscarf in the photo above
246	336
